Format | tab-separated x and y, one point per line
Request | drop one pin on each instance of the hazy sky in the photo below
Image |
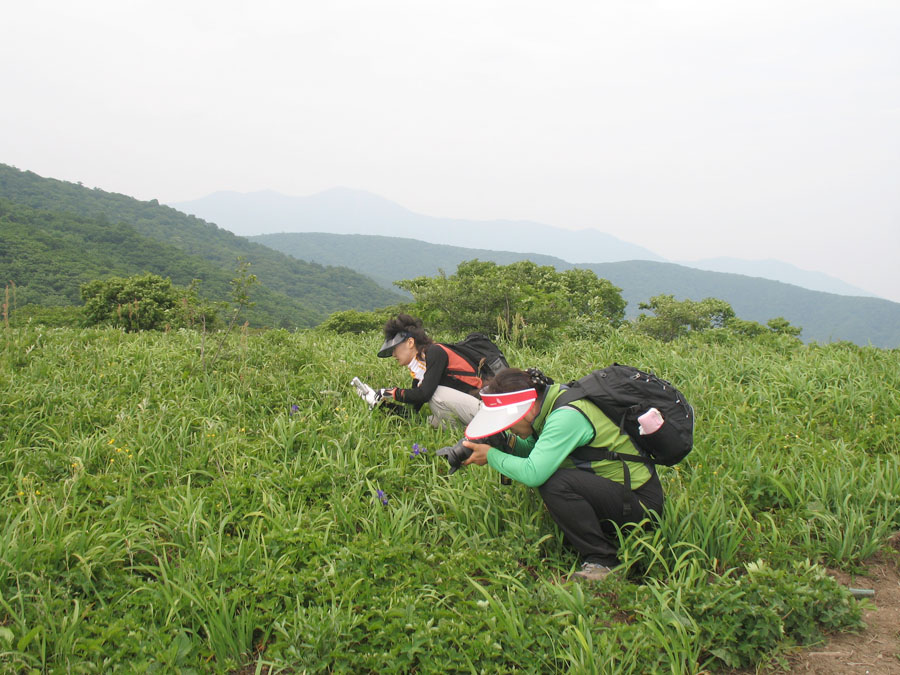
697	128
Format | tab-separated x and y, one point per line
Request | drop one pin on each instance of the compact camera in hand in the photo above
379	398
371	396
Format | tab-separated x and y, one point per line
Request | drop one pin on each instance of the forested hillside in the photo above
389	259
57	235
824	317
49	255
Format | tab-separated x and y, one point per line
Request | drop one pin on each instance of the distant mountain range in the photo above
57	235
779	271
345	211
390	259
824	317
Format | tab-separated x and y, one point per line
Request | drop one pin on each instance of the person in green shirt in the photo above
551	450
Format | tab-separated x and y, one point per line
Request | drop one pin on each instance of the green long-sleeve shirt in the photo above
533	460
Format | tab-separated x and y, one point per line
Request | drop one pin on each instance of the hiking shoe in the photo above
592	572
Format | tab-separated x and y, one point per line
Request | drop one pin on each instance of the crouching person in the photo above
556	451
441	377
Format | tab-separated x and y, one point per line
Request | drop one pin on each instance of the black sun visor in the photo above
388	347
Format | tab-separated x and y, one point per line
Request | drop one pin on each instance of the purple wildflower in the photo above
382	497
295	408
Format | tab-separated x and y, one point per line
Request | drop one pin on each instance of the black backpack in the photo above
625	393
482	354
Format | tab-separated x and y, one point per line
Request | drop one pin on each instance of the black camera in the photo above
457	454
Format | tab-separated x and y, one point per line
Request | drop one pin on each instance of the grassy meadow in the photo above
166	506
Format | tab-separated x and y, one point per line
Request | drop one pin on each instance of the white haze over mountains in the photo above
778	271
695	129
345	211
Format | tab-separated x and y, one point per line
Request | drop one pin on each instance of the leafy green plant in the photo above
143	302
353	321
769	609
522	302
55	317
672	318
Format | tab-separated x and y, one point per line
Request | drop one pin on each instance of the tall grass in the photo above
156	517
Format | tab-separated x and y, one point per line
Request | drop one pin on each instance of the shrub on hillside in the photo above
522	302
67	316
353	321
673	318
144	302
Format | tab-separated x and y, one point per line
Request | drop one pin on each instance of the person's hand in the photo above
389	393
479	452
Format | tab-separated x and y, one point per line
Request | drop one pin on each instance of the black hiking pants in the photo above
587	507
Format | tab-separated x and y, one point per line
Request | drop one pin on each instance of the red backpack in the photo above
474	359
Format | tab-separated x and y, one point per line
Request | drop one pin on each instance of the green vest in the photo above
607	436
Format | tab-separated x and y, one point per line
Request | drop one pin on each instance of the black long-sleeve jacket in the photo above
436	363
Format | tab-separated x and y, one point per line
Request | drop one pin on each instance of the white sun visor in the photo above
499	412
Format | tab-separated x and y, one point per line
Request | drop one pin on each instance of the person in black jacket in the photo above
440	376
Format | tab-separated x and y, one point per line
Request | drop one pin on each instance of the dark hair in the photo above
514	379
404	323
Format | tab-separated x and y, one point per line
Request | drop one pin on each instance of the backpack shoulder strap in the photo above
459	368
458	364
572	394
567	396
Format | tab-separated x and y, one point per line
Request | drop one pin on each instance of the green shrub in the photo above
522	302
768	610
67	316
353	321
147	302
